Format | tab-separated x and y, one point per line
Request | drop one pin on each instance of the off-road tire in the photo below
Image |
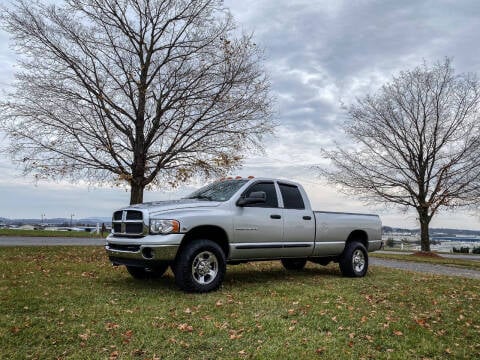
294	264
354	260
200	266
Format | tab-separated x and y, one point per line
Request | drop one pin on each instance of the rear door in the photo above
298	222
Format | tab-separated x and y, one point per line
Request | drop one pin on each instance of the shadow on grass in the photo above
235	276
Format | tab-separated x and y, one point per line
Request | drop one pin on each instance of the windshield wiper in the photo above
201	197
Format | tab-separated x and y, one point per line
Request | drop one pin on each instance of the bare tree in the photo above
150	92
416	144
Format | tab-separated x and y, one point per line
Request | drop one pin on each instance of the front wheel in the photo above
200	267
354	260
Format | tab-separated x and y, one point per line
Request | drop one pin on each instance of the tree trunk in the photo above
136	193
424	224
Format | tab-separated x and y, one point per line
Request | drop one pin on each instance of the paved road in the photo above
426	268
404	265
475	257
41	241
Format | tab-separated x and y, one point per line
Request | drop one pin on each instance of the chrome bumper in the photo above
146	249
144	252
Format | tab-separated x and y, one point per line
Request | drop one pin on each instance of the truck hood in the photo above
157	206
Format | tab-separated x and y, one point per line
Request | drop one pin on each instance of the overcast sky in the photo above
319	55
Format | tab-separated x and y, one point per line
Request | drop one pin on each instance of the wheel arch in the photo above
208	232
360	236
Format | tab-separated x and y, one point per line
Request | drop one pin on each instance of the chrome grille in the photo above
128	223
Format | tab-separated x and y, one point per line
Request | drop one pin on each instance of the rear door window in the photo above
292	198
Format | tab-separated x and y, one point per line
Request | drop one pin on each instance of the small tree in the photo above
148	92
416	144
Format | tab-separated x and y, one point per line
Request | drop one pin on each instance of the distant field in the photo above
48	233
71	303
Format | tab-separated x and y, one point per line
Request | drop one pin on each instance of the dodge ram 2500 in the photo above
234	221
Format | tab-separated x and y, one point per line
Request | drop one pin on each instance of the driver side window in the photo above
269	189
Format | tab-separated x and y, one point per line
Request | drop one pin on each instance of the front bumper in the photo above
147	249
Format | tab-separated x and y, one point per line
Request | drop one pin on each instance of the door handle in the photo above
307	218
275	216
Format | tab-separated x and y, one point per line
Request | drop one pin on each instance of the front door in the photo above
258	228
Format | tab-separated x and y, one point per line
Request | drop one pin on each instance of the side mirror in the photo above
256	197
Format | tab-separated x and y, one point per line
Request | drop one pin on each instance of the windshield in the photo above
218	191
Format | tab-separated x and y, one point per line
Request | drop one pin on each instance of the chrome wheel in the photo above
358	260
205	267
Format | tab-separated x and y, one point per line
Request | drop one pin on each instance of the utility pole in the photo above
71	219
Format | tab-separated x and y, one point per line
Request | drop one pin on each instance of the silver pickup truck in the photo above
234	221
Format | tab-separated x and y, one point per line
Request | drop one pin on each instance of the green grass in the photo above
70	303
469	264
48	233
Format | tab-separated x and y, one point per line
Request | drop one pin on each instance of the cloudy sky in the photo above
319	55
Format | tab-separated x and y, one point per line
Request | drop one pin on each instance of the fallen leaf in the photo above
111	326
138	352
127	336
185	327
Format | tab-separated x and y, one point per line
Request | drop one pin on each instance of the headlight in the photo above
158	226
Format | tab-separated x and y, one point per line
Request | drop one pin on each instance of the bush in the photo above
389	242
476	250
463	250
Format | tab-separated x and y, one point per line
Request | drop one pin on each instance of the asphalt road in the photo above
396	264
42	241
426	268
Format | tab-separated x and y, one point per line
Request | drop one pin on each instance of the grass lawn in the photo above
70	303
470	264
49	233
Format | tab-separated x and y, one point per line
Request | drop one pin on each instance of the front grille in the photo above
134	215
128	223
134	228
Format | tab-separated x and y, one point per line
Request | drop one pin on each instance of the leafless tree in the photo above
151	92
416	144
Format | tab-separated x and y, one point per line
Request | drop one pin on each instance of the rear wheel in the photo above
294	264
200	266
354	260
143	273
